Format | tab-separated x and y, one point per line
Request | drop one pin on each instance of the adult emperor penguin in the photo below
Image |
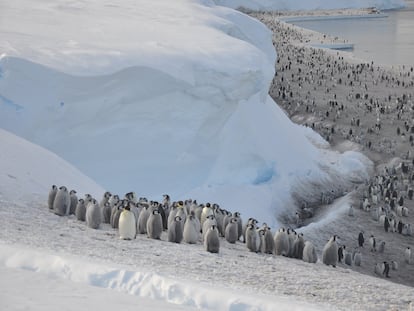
73	202
175	231
80	210
309	253
330	252
211	240
191	232
154	225
51	197
93	215
127	224
61	204
231	232
281	242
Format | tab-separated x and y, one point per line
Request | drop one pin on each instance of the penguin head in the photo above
63	188
107	194
177	218
81	201
72	192
54	187
127	208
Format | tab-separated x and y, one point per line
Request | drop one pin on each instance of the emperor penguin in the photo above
281	242
88	198
106	213
211	240
191	233
348	258
379	268
80	210
105	199
372	243
231	232
154	225
130	196
394	265
291	234
117	213
113	200
93	215
267	244
208	222
351	211
407	255
73	202
207	211
219	214
172	213
182	213
226	220
252	238
250	221
358	258
127	224
196	221
330	252
143	219
381	247
61	204
239	224
51	197
298	246
309	253
175	231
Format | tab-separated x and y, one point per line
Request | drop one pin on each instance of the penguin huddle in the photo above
183	221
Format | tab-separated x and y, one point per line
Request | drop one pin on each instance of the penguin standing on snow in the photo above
309	253
51	197
61	204
154	225
93	215
127	224
73	202
80	211
211	240
330	252
361	239
231	231
373	243
175	230
191	232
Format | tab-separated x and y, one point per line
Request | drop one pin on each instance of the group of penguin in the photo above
185	221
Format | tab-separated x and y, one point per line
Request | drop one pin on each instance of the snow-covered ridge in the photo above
294	5
158	97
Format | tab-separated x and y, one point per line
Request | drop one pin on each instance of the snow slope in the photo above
48	261
159	97
295	5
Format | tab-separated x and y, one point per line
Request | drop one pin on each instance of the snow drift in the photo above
295	5
159	97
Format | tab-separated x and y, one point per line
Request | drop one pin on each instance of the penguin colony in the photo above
183	221
358	102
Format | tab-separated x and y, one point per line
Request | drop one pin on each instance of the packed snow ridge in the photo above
160	97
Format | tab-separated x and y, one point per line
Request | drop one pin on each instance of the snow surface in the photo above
48	261
159	97
294	5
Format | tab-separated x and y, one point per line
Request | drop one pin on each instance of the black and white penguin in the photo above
116	213
386	269
361	239
330	252
231	231
61	204
191	233
106	213
73	202
341	253
175	231
207	211
239	224
154	225
211	240
381	247
51	198
80	211
105	199
127	224
208	222
309	253
93	215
